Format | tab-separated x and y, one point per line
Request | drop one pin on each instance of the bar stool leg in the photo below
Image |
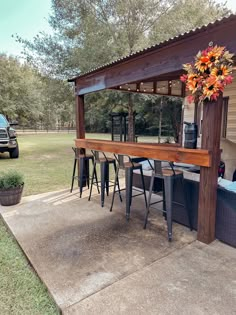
86	167
81	175
164	200
144	192
73	175
118	184
117	180
91	186
168	183
103	166
96	177
128	184
114	189
149	200
107	178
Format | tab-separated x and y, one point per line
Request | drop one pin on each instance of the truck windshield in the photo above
3	121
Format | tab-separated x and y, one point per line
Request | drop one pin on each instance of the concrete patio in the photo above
94	262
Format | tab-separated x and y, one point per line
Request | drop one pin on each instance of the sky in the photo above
23	17
27	18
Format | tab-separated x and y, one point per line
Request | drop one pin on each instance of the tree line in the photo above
87	34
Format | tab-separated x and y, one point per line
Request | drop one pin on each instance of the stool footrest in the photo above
123	189
154	203
178	203
138	194
161	210
95	184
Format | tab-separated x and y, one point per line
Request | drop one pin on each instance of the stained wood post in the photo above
79	113
211	130
80	128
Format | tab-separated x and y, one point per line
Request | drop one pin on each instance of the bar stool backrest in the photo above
95	154
120	160
158	167
77	151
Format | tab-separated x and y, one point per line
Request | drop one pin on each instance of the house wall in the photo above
229	91
228	145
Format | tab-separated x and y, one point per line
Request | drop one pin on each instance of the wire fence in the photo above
25	129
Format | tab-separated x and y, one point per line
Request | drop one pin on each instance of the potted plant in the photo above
11	187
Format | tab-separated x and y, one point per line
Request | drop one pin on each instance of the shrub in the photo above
10	179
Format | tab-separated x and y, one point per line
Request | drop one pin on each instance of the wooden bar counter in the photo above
167	152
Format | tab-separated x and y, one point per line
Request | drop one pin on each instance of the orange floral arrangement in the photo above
210	73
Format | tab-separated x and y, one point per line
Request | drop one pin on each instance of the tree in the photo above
27	96
191	13
90	33
19	90
58	100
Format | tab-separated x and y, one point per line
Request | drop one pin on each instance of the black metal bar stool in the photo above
168	176
83	177
105	181
129	167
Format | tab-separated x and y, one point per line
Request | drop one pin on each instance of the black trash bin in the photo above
190	132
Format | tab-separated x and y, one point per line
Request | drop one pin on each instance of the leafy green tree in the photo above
89	33
27	96
58	101
19	90
186	15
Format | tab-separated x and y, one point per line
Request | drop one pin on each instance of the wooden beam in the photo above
212	114
79	113
171	152
149	93
166	58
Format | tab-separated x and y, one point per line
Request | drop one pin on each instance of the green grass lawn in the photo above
21	291
46	161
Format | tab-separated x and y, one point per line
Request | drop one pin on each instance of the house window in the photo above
224	117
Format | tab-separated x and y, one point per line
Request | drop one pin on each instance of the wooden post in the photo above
211	125
79	112
80	129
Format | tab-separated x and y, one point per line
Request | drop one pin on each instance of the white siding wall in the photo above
231	125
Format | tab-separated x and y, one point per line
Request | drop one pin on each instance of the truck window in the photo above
3	121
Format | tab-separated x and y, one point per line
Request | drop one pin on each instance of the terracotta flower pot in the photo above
11	196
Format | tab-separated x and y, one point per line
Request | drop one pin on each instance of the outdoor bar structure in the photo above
156	70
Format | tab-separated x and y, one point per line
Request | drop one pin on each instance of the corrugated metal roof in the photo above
159	45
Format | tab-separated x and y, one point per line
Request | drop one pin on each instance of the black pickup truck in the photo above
8	140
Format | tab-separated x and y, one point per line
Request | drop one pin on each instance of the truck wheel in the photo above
14	154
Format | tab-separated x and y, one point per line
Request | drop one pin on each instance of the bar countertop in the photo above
167	152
